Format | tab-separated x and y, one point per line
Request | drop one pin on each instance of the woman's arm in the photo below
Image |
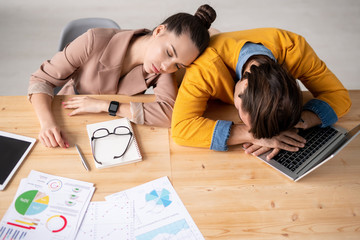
332	100
86	104
54	72
308	120
50	134
201	82
288	140
156	113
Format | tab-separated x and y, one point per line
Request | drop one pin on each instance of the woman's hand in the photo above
288	140
86	104
50	133
52	136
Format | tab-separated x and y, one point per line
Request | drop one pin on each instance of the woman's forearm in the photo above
50	133
124	110
239	134
308	120
42	105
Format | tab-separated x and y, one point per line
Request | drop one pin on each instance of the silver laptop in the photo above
322	145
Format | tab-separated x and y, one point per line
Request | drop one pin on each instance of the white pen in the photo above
82	158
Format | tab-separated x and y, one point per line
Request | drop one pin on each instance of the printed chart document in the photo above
46	207
159	212
108	220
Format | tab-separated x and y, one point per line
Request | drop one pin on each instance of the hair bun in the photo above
206	15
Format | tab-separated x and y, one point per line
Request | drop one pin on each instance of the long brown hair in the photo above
272	98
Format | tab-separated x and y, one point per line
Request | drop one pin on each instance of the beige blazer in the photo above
92	64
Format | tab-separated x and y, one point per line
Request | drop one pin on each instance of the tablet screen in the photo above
13	149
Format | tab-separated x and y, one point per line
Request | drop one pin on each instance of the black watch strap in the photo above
113	108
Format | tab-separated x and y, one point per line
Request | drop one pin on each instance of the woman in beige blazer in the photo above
112	61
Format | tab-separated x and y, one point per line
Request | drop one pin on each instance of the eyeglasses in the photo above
120	131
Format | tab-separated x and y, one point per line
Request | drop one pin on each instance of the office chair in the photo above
79	26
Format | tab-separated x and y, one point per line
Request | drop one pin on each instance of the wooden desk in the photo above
230	195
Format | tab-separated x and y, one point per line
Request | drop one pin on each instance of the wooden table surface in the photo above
230	195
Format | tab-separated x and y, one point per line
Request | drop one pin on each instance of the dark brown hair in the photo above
272	98
196	25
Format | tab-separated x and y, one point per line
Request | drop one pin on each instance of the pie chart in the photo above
31	202
56	223
160	197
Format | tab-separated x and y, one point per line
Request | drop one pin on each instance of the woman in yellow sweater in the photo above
256	70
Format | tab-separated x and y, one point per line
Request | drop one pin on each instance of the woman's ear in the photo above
159	30
245	83
240	86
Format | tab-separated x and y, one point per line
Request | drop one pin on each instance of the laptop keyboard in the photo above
315	138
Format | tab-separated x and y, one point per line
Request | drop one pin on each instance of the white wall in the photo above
30	29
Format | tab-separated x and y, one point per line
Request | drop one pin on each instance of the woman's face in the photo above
167	52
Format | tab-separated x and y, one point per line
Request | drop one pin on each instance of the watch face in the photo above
113	107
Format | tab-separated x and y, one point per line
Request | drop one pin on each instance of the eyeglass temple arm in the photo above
93	150
131	136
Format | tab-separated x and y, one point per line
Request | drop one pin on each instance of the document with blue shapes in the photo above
159	212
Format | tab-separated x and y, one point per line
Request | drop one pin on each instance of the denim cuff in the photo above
323	110
221	135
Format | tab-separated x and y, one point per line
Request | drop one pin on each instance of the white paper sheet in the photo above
108	220
159	212
46	207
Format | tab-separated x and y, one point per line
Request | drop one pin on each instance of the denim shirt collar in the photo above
250	49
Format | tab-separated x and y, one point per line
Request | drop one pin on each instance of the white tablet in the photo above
13	150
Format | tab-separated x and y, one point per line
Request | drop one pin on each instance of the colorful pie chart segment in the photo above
31	202
56	223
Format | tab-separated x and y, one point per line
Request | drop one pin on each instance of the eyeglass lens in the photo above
121	137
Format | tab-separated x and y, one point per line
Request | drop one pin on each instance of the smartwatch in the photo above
113	108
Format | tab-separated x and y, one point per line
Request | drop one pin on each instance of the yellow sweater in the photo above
212	75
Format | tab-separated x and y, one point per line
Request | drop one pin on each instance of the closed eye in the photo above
178	65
